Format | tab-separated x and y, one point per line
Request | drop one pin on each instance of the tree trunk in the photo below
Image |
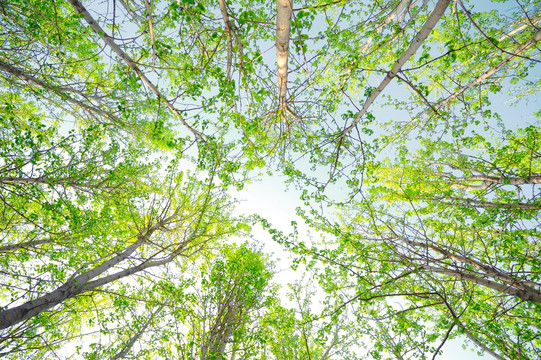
83	282
71	288
283	29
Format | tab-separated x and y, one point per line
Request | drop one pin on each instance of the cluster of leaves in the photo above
124	123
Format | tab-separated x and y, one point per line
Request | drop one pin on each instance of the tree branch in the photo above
228	30
520	50
76	284
422	35
526	295
457	201
136	336
60	90
132	65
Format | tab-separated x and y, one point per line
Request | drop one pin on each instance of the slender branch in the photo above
387	20
333	343
391	344
130	11
321	6
45	180
61	90
494	43
131	64
419	92
479	343
520	50
136	336
444	340
468	333
422	35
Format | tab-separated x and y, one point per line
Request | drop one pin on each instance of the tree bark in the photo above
387	20
283	30
228	30
487	181
472	203
82	283
69	289
526	295
488	270
24	245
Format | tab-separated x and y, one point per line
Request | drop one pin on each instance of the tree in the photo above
205	309
228	295
69	250
297	332
447	237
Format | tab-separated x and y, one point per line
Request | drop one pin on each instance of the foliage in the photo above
123	125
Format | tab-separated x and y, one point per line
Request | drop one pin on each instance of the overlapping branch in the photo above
132	65
422	35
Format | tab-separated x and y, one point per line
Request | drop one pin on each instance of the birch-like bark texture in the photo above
132	65
114	114
151	30
227	319
484	271
454	264
283	30
487	181
473	203
526	295
422	35
228	30
71	288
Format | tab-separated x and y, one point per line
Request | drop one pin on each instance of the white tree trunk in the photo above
283	30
